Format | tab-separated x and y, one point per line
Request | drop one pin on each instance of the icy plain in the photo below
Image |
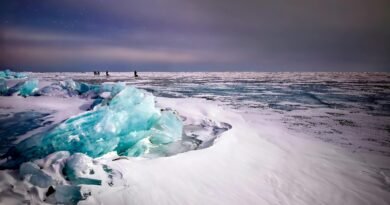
228	138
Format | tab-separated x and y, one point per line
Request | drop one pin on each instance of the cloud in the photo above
33	47
261	35
33	55
29	35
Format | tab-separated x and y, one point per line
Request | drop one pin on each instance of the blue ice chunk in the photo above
167	129
66	194
129	120
3	87
2	74
8	74
83	88
20	75
14	89
113	88
78	169
137	149
75	87
69	88
96	102
69	84
29	88
55	89
36	175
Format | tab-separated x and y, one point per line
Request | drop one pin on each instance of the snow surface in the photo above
251	156
253	163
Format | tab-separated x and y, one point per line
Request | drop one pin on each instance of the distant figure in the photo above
98	73
135	74
107	73
94	72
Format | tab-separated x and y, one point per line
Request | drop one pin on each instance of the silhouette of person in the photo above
135	74
107	73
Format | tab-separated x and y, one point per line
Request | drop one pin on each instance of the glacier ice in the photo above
129	124
30	87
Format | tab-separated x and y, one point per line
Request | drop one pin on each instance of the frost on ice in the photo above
128	124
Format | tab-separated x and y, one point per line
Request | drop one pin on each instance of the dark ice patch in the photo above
13	125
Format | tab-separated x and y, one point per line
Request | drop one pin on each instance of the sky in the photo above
195	35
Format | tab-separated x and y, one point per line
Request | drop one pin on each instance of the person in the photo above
107	73
135	74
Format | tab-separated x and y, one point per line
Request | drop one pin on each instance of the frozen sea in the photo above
255	138
347	109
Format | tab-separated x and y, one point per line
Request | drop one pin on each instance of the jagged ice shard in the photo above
129	124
